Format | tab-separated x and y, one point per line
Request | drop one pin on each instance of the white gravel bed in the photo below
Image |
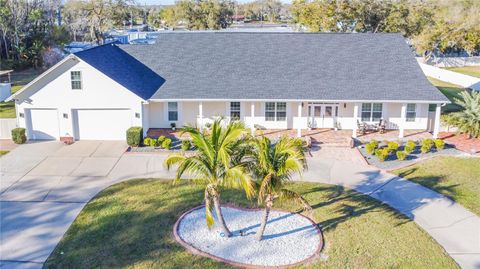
289	238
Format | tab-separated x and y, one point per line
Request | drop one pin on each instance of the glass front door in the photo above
323	115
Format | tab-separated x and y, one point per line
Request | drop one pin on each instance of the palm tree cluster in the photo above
228	157
468	119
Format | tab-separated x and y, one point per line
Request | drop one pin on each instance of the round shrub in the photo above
382	154
161	139
371	147
147	141
167	143
18	135
186	145
410	146
401	155
392	146
427	145
439	144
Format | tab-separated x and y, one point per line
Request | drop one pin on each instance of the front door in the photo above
324	115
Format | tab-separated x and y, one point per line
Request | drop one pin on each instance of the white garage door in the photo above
101	124
43	124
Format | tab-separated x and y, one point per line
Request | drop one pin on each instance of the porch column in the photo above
200	114
252	114
310	120
401	129
436	127
355	119
299	113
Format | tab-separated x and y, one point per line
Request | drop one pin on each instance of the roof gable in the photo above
124	69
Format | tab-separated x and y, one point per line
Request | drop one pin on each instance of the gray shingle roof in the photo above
325	66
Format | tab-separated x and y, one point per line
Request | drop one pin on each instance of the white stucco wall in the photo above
98	92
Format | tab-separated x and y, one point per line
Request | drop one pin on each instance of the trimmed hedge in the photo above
134	136
439	144
167	143
401	155
382	154
371	146
18	135
410	146
186	145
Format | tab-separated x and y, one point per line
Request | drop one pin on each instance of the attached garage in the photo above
42	124
101	124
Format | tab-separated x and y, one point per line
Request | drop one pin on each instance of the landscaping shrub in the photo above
401	155
18	135
382	154
410	146
392	146
167	143
427	145
371	147
161	139
439	144
148	141
134	136
186	144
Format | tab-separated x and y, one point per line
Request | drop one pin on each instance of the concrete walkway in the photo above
44	186
455	228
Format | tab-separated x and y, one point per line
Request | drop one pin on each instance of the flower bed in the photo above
392	160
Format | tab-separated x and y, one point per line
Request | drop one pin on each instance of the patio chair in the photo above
361	128
382	126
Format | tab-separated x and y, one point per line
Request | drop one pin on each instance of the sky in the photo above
170	2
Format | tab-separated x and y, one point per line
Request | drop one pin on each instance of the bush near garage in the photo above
19	136
134	136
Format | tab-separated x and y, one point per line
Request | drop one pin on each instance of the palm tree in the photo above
467	120
216	164
274	165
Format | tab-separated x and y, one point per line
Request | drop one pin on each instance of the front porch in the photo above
302	118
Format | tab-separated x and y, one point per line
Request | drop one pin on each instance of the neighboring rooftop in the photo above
287	66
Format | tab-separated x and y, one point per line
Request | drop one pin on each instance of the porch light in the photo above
137	115
65	115
21	115
344	105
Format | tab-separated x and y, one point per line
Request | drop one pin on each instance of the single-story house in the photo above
268	80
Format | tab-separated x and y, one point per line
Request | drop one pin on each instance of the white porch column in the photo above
436	127
252	114
299	114
200	114
355	119
403	115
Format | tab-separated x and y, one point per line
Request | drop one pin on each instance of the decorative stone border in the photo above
199	252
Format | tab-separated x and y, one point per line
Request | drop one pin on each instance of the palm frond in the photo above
285	194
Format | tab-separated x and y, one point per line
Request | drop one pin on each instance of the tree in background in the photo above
468	119
432	26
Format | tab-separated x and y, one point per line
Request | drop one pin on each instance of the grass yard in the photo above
451	91
473	71
129	225
457	178
3	152
19	79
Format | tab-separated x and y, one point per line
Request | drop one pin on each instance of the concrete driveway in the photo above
44	186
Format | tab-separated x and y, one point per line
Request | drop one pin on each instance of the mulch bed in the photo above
462	142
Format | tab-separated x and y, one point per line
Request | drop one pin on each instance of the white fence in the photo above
452	61
451	77
6	126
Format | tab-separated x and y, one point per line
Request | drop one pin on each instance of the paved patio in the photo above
45	185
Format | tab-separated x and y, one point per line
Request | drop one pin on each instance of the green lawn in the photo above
19	79
129	225
3	152
473	71
457	178
451	91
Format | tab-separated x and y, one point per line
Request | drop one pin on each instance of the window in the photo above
411	112
371	112
275	111
172	111
235	110
76	79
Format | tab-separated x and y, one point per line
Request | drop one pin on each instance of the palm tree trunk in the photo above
268	207
221	220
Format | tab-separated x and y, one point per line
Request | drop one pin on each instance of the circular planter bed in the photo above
289	238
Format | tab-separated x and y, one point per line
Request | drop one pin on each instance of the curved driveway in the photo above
43	187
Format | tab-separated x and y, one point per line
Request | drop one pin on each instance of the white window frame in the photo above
276	111
413	111
371	111
239	110
171	110
76	80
